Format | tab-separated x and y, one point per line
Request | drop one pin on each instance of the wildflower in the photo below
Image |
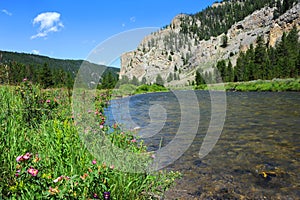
101	126
58	179
153	156
84	176
106	195
20	158
112	167
95	196
17	174
32	171
48	101
89	111
36	159
47	176
26	156
94	162
25	79
133	140
53	190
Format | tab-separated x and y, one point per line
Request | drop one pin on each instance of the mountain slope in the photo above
180	49
53	63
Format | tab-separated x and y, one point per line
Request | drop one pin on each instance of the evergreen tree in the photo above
159	80
144	80
260	55
229	73
199	79
170	78
135	81
45	76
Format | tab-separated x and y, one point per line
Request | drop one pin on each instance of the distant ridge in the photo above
53	63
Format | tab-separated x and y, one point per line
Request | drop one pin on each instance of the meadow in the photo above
44	157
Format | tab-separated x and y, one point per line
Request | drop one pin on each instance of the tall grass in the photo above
43	155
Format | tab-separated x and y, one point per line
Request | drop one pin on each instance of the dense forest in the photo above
259	62
216	20
45	71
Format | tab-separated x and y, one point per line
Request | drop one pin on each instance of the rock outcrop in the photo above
176	56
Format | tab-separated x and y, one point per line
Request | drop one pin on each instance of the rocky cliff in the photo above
176	55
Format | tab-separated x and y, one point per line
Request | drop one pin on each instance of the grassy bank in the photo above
43	155
275	85
129	89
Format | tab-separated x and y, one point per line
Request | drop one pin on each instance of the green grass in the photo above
275	85
150	88
129	89
41	124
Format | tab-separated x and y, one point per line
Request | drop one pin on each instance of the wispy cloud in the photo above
6	12
48	22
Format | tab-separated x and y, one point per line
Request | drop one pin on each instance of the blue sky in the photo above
72	29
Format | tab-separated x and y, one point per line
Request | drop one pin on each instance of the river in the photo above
257	155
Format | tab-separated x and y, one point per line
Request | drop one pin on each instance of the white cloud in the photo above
132	19
6	12
48	22
35	51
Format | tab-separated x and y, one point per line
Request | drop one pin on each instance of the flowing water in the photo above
257	155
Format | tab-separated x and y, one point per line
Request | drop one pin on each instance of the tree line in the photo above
260	62
13	73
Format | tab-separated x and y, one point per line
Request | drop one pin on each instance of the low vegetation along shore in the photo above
275	85
43	156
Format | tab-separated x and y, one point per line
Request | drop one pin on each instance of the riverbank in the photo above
50	152
275	85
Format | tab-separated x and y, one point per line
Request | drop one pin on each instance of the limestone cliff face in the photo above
176	56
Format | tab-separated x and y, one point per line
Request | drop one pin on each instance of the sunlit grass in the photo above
43	155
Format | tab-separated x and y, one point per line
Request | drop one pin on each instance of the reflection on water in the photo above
257	155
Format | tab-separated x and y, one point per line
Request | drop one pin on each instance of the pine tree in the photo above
159	80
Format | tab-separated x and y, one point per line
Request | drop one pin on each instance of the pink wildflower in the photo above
25	79
33	171
26	156
133	140
95	196
20	158
112	167
94	162
153	156
17	174
48	101
101	126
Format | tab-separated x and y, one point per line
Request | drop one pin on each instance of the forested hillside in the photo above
48	72
218	37
261	62
217	19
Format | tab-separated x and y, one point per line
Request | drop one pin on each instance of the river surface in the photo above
257	155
